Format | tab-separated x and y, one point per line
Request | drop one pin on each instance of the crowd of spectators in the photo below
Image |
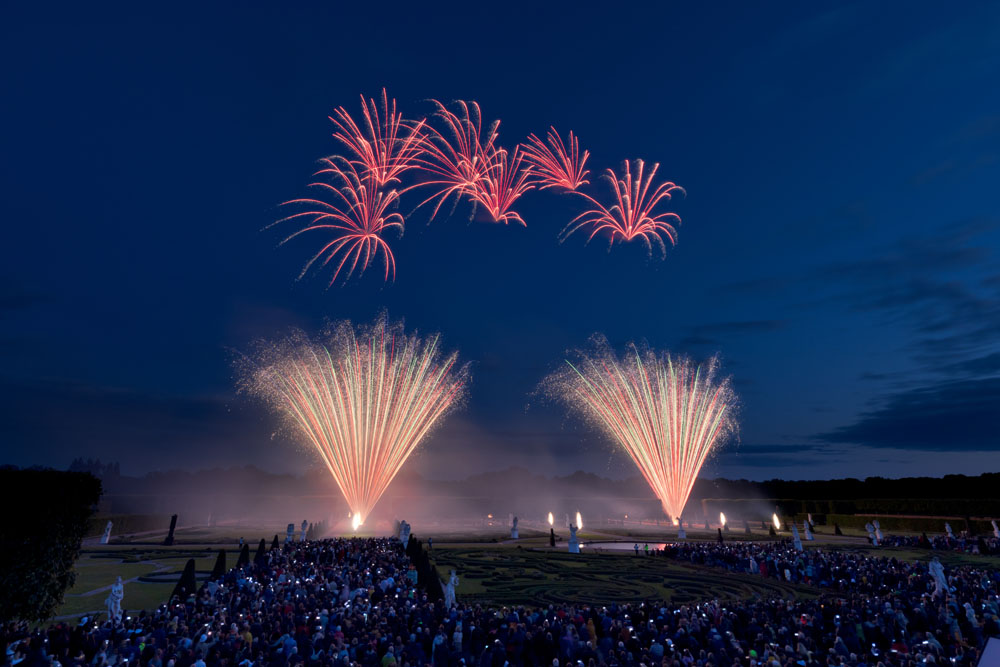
358	602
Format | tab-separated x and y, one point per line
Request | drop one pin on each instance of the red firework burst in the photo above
555	166
458	158
631	216
357	216
384	144
503	182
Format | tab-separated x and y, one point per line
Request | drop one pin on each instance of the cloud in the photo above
962	415
51	422
711	334
15	297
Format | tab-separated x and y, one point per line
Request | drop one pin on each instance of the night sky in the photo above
838	246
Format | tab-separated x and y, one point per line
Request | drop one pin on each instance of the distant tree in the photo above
244	558
46	514
260	558
219	570
187	584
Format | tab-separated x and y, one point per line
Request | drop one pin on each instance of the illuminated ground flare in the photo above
364	399
666	413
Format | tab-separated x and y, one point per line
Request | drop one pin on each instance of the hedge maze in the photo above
518	576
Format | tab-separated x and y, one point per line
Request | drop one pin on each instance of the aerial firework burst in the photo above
383	144
356	217
503	182
631	214
457	159
555	166
666	413
364	399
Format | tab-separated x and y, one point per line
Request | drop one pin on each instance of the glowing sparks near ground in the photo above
364	399
552	519
503	182
631	214
666	413
356	216
674	520
777	522
356	521
554	165
579	521
722	519
383	144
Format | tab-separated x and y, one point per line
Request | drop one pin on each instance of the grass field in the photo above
97	569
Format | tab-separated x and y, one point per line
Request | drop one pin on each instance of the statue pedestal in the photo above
513	534
574	545
681	534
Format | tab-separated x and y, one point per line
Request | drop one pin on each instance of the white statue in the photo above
947	529
404	532
290	533
807	532
809	517
871	533
681	533
940	581
996	531
449	590
574	542
878	532
513	529
107	533
305	526
114	601
796	540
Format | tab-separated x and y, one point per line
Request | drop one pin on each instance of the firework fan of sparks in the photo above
554	165
631	214
364	399
457	159
503	182
383	144
355	218
667	413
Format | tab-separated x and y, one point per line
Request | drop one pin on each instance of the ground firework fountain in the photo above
666	413
364	399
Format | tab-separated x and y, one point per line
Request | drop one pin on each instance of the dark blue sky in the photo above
838	249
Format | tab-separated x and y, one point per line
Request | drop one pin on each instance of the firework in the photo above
722	519
383	144
632	213
356	217
503	182
457	159
364	399
551	519
579	521
666	413
555	166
